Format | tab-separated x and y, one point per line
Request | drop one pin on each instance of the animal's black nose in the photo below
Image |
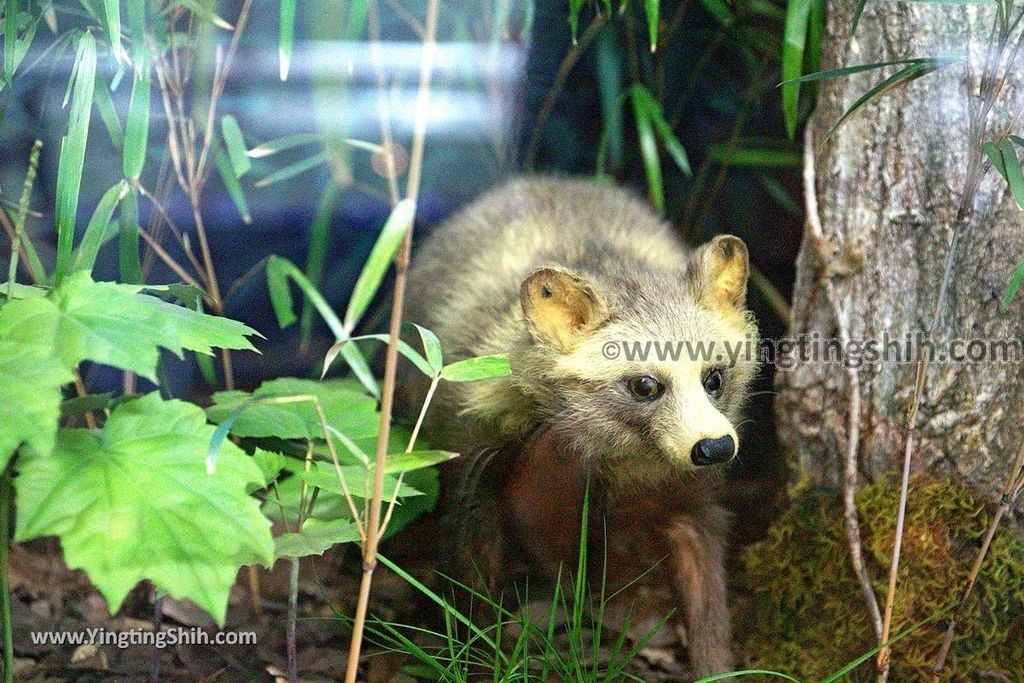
713	451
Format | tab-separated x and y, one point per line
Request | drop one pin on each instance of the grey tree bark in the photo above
888	185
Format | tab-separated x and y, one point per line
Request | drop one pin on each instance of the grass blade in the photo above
128	242
395	229
112	25
286	36
72	153
136	135
98	230
233	186
293	169
235	144
794	41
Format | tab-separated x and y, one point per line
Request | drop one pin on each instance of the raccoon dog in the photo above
572	280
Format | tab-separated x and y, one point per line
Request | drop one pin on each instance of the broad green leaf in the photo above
900	78
136	134
100	227
128	242
114	325
231	184
1013	173
397	226
316	536
794	40
112	24
84	404
1011	289
358	480
286	36
473	369
96	491
346	406
293	170
649	151
105	105
72	153
270	465
235	144
30	381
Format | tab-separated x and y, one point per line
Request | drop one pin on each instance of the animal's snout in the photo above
713	451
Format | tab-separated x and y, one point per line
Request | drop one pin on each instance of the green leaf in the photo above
136	135
231	184
96	491
397	226
137	27
416	460
358	480
648	151
286	36
72	152
112	24
346	406
1013	173
84	404
431	347
285	142
293	170
114	325
991	150
11	12
128	242
763	157
100	227
319	241
316	536
30	381
575	6
473	369
1011	289
794	41
857	12
235	144
270	465
651	10
105	105
719	9
859	68
668	138
898	79
403	348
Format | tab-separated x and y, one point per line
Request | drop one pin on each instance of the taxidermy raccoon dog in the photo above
561	274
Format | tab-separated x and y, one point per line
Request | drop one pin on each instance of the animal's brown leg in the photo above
698	571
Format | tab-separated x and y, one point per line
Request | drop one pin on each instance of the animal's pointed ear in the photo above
720	269
561	307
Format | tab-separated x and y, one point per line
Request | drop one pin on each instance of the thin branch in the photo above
391	359
850	517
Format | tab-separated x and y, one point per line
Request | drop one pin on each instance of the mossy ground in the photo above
802	611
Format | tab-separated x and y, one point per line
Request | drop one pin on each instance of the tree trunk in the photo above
888	185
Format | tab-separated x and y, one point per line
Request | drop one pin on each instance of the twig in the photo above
1011	489
391	359
850	517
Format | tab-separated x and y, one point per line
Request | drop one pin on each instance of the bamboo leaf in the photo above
794	40
759	157
395	229
898	79
1013	286
657	116
473	369
857	14
319	242
858	68
651	9
286	36
718	9
128	243
136	136
10	38
575	7
996	157
235	144
293	169
105	105
234	188
112	25
99	228
1013	173
137	28
285	142
649	151
72	152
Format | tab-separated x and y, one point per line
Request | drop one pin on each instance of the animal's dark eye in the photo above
645	387
713	382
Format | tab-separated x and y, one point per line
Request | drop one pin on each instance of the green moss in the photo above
802	611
